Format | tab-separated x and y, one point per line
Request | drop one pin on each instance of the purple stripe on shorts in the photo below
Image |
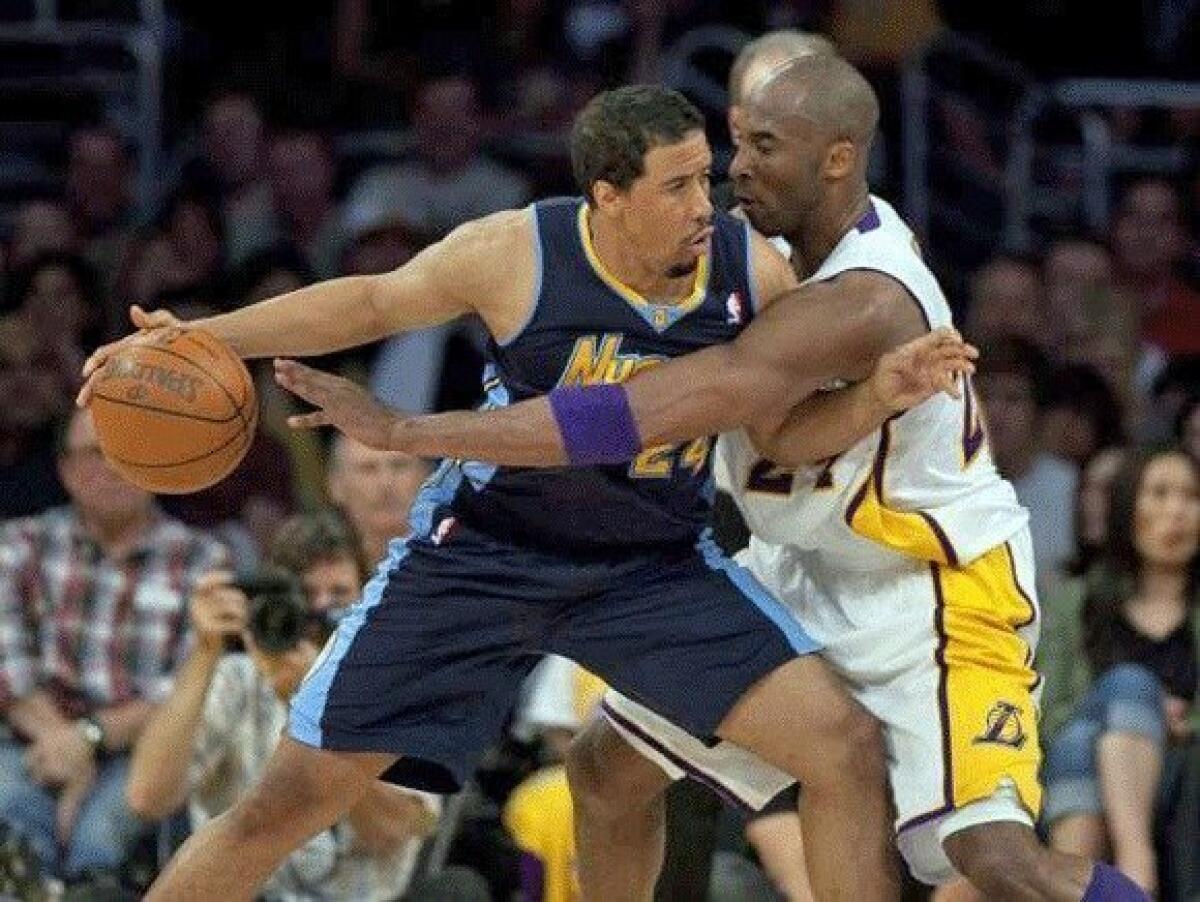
687	767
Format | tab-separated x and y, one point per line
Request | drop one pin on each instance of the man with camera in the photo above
254	642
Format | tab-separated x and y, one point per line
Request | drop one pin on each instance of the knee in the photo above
607	776
855	746
1130	683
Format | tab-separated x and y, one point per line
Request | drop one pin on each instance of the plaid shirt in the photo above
90	630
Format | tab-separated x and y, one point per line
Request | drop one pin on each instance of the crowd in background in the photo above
109	614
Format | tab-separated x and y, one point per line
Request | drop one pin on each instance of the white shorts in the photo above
942	656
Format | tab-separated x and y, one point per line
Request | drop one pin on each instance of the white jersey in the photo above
923	485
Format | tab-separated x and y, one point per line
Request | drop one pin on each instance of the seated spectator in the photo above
1012	380
92	606
538	814
233	161
1149	240
229	709
38	227
450	182
100	193
59	297
183	252
1082	414
1091	508
1120	651
303	209
1007	300
374	489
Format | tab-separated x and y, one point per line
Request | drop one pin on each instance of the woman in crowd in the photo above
1119	655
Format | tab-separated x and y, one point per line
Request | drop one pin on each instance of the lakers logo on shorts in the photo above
1003	726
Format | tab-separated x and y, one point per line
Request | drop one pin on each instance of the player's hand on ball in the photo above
151	327
914	372
340	403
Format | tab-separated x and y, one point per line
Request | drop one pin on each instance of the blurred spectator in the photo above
184	252
1150	244
1012	380
40	226
58	294
29	480
92	606
1007	301
230	709
100	193
1119	652
538	815
1091	507
1174	387
375	490
1082	414
379	236
233	139
450	182
303	209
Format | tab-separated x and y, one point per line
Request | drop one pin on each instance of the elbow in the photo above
146	802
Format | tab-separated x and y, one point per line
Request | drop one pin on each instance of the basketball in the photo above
176	415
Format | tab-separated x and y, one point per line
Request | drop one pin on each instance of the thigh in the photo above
427	665
685	635
25	804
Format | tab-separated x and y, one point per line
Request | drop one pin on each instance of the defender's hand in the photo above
340	403
913	372
151	327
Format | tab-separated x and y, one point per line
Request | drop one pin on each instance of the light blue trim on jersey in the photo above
478	472
538	271
800	641
439	489
308	705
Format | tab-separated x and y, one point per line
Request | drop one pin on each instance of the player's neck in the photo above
621	257
827	223
1161	587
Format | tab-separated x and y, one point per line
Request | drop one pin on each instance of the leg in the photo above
1129	760
1073	809
779	843
801	719
304	790
1004	860
619	815
106	829
26	806
1080	834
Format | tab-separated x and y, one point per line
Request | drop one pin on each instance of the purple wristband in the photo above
596	424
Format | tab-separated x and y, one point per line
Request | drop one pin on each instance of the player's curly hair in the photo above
613	132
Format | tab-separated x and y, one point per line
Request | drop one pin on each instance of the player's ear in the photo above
841	160
605	195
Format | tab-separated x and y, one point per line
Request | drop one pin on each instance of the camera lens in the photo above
277	621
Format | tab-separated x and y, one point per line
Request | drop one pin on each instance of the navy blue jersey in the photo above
588	328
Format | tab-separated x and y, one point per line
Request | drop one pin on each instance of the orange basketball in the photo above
175	415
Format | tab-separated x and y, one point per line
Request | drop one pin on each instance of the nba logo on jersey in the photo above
735	314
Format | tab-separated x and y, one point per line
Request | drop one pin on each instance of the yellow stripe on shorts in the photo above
989	717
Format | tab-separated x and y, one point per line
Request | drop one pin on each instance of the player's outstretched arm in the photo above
457	275
830	422
837	329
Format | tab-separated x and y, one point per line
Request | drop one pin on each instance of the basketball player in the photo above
907	555
608	565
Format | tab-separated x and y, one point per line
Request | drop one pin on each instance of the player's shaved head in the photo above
764	54
825	90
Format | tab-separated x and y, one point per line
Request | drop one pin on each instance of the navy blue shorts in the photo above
429	663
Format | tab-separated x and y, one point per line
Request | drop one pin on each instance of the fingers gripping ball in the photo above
175	415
